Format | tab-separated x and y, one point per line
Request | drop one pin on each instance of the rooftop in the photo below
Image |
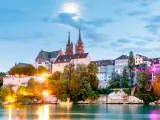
122	57
68	58
104	62
47	55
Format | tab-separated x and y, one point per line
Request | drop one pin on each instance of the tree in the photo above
131	66
114	81
41	70
74	87
23	70
156	85
29	70
17	70
34	87
55	76
6	93
2	74
125	78
22	90
85	89
68	70
92	71
142	81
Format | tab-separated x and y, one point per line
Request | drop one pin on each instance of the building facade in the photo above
120	63
140	59
46	59
105	69
79	57
64	60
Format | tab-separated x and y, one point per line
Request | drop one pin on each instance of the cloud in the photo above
140	43
124	41
115	44
120	11
88	26
135	49
137	12
153	28
99	22
23	37
153	19
94	36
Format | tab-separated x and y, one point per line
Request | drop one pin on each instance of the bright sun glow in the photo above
71	8
45	93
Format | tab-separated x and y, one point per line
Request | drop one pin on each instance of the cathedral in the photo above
77	57
79	49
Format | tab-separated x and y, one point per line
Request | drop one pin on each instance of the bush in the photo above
63	97
147	97
92	96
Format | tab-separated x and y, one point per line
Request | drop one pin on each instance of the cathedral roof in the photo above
122	57
22	64
68	58
47	55
104	62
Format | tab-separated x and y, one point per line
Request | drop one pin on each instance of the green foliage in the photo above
23	70
63	97
22	90
131	66
92	96
5	93
106	90
92	71
55	76
41	70
114	81
34	87
141	81
68	71
125	78
147	97
92	68
85	88
74	87
2	74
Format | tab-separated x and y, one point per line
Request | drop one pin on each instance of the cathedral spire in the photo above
69	46
69	38
79	45
79	39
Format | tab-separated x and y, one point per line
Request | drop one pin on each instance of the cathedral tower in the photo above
69	47
79	45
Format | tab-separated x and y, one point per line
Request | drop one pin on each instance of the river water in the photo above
80	112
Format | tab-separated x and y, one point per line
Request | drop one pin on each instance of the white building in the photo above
105	69
120	63
140	59
18	81
46	59
64	60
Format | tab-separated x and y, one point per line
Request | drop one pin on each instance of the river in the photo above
80	112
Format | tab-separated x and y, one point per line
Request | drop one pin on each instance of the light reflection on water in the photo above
82	112
43	112
10	112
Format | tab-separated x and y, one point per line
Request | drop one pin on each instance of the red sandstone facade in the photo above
79	49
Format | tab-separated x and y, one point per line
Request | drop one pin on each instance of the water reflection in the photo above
10	112
81	112
43	112
154	115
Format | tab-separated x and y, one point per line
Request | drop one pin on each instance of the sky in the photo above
109	28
